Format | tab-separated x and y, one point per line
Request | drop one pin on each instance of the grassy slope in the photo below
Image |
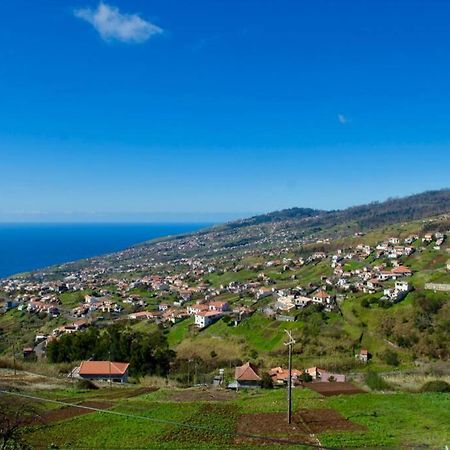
357	324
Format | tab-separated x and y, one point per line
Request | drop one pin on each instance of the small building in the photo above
219	306
28	352
246	376
401	271
280	376
363	355
322	375
104	370
322	297
205	318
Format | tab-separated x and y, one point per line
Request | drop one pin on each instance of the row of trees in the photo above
147	353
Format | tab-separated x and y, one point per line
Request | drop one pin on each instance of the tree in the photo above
266	381
14	415
305	377
390	357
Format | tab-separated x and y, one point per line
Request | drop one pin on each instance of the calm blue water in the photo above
25	247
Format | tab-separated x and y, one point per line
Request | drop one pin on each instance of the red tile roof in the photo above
103	368
247	372
322	294
401	269
208	313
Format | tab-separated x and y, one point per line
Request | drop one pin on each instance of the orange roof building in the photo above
104	370
246	376
401	270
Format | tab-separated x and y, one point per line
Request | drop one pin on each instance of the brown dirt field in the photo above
207	395
57	415
329	389
305	424
320	420
274	425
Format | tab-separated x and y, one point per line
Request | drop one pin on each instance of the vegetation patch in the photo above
213	424
436	386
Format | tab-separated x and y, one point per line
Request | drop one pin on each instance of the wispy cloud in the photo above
342	119
111	24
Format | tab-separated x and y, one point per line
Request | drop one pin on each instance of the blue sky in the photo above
131	109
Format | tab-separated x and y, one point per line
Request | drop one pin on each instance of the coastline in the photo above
27	247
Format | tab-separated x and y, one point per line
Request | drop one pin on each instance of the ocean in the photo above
24	247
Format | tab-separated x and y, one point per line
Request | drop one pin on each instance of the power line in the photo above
170	422
200	427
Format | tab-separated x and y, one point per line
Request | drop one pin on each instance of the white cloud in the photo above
342	119
111	24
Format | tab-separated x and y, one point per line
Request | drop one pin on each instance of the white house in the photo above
301	301
218	306
402	286
205	318
321	297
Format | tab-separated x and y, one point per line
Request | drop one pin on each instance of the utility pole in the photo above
14	358
109	360
189	372
290	343
195	371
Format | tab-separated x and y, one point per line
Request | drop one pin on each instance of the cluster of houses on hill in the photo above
249	376
168	293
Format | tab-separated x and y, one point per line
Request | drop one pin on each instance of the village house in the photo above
203	319
198	307
280	376
219	306
144	315
285	303
401	271
363	355
322	375
246	377
104	371
263	293
301	301
322	297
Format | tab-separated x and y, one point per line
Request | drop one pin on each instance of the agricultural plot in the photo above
202	419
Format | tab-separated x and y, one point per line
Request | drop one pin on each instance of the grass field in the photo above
166	421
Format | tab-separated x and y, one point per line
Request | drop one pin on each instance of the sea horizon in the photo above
29	246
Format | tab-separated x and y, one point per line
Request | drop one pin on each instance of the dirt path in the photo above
69	412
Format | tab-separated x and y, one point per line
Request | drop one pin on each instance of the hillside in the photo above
289	228
328	276
364	291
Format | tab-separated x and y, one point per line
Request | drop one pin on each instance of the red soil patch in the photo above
305	424
334	388
275	426
320	420
57	415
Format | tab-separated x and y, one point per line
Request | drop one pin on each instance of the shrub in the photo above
266	381
86	385
390	357
365	303
376	383
436	386
305	377
8	363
